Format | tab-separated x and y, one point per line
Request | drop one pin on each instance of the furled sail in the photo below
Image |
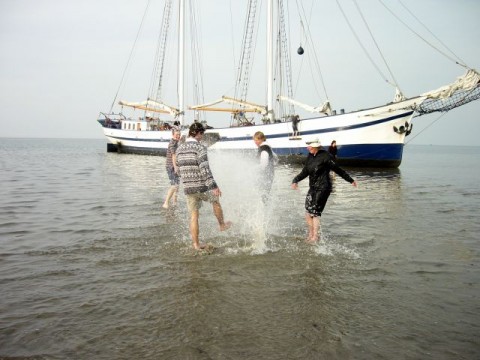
245	106
152	105
462	91
325	108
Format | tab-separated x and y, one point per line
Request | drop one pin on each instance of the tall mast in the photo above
270	32
181	60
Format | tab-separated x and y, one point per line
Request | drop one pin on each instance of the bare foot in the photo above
199	246
312	240
226	226
165	205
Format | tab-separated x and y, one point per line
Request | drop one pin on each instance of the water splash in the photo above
328	246
257	228
236	175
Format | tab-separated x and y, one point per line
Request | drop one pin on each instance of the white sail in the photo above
152	105
469	81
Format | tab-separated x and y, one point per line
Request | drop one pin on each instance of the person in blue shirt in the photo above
172	169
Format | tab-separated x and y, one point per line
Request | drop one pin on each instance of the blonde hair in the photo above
259	136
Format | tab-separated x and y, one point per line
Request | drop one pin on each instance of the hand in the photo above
294	186
354	183
217	192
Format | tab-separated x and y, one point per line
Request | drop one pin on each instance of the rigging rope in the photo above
309	40
130	56
433	122
197	68
285	49
302	37
378	48
233	37
245	59
456	99
422	38
462	63
444	105
362	46
157	72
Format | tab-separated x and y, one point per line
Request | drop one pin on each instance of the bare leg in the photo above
309	221
174	196
313	224
170	193
316	228
218	211
194	230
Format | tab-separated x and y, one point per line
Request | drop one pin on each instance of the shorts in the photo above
316	200
194	201
173	176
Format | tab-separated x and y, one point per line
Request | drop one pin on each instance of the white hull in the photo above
364	138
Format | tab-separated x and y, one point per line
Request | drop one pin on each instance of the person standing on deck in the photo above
295	122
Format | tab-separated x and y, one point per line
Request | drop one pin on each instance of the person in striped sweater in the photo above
198	182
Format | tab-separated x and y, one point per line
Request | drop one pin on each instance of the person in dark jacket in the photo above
333	150
295	122
317	168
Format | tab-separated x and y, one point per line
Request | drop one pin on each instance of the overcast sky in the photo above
61	62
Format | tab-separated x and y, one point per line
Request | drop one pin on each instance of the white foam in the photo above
327	246
241	200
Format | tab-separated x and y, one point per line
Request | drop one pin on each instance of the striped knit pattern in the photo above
192	161
172	147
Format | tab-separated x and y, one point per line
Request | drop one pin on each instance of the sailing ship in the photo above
372	137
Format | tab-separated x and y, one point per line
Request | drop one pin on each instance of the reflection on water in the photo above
93	267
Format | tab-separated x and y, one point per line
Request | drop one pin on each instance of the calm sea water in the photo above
91	266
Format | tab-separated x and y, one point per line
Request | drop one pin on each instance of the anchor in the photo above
407	129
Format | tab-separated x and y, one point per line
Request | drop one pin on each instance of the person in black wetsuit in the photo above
317	167
266	159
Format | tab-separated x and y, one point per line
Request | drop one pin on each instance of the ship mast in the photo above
270	33
181	62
